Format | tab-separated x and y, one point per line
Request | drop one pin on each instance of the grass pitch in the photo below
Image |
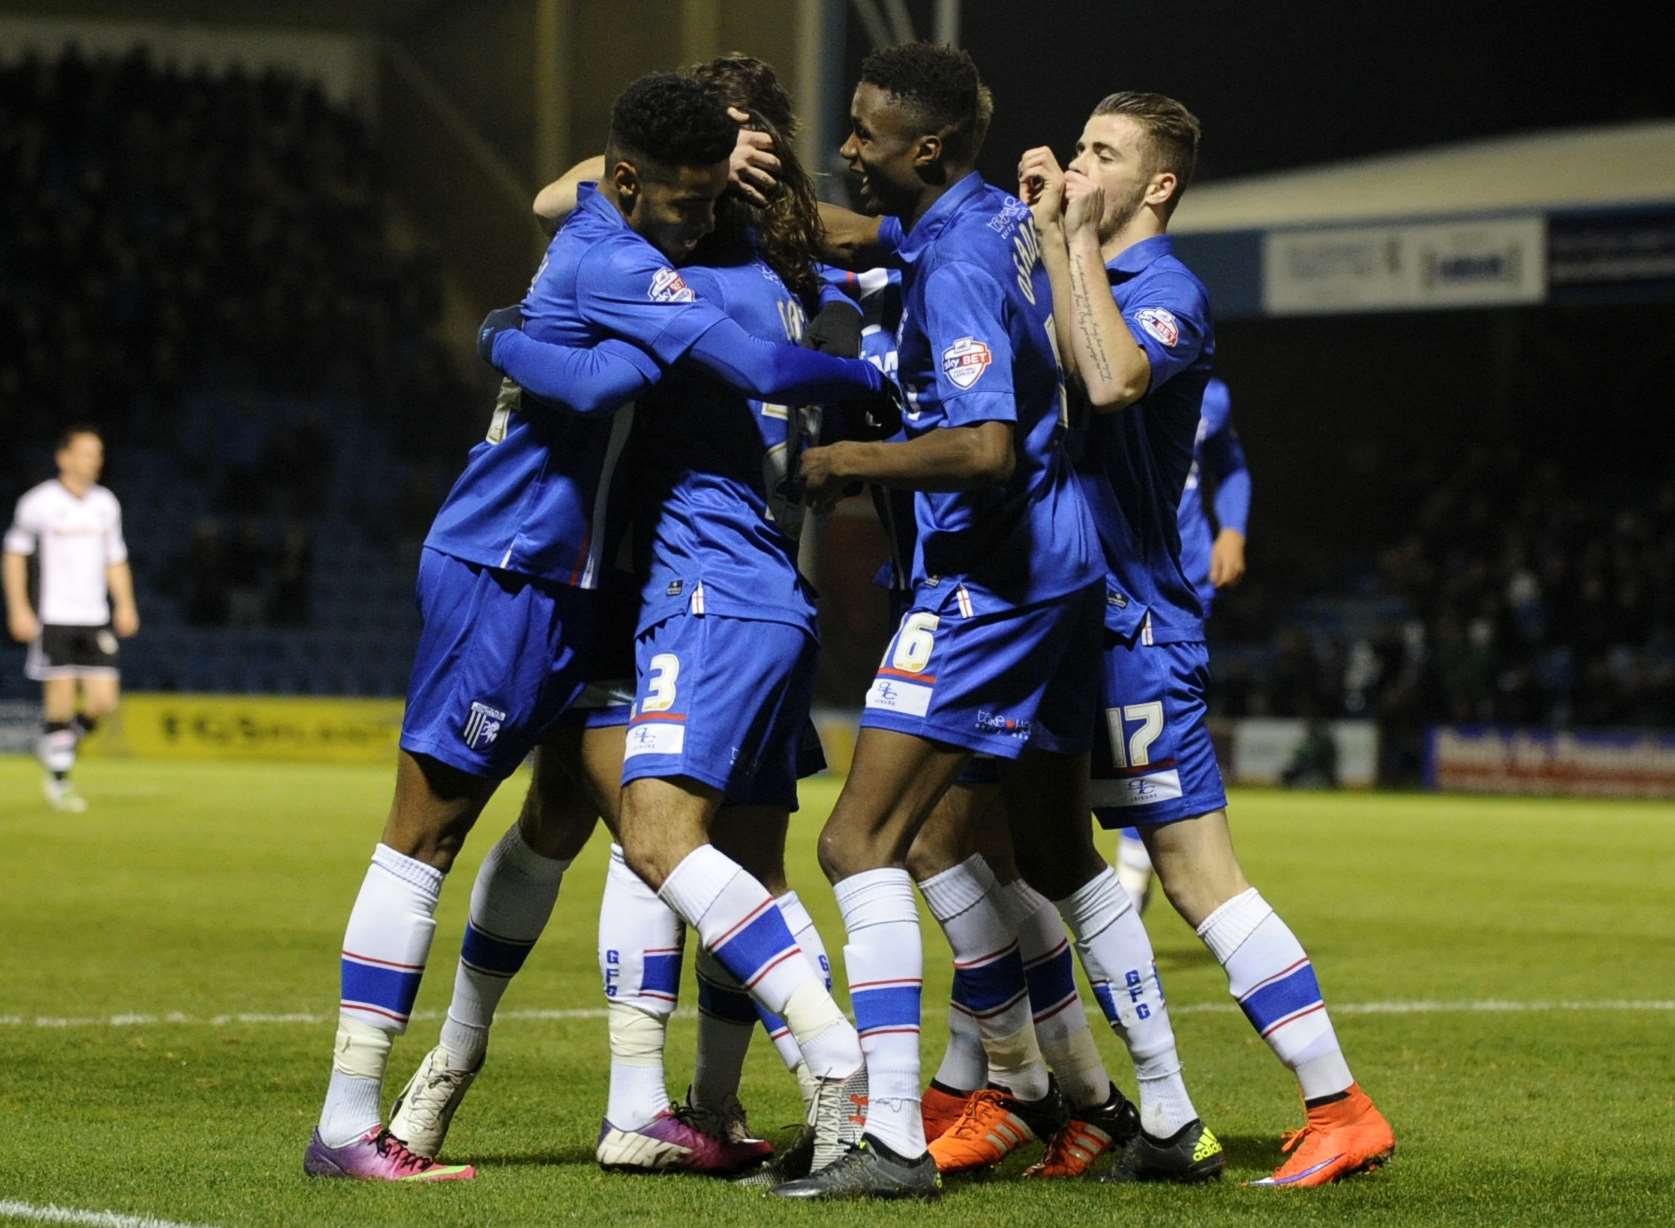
168	977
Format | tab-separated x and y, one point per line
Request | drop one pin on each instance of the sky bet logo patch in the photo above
667	286
965	361
1160	324
482	727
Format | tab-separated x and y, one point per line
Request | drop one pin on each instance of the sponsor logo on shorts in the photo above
1160	324
1113	597
965	361
676	587
655	738
1145	790
896	695
667	286
482	727
995	722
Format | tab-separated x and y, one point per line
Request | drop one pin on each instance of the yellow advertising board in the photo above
156	726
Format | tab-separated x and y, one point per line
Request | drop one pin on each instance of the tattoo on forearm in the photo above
1086	325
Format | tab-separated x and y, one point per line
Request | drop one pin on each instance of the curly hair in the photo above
670	119
788	230
941	87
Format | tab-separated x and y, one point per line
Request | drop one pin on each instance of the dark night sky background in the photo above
1281	85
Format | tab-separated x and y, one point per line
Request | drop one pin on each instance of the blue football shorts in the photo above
1153	761
725	701
501	656
997	681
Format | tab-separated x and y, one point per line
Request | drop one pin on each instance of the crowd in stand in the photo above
164	223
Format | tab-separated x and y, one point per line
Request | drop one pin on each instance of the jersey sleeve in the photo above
589	380
116	549
1170	322
1223	458
23	533
627	292
969	344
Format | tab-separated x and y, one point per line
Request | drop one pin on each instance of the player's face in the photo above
676	206
1114	153
82	459
881	150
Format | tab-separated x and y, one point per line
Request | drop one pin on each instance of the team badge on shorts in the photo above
106	642
482	727
1160	324
668	286
965	361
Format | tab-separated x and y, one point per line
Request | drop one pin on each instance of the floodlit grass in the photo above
210	891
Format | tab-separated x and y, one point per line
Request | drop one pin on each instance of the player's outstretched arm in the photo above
557	200
955	458
774	371
20	615
589	380
853	241
1223	458
1113	369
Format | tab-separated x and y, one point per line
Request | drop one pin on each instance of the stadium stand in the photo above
199	262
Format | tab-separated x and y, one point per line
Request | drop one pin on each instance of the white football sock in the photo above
639	957
1271	978
964	900
1061	1025
1134	868
885	964
510	903
740	923
384	951
56	749
1117	954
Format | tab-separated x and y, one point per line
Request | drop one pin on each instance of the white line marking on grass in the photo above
1419	1006
50	1213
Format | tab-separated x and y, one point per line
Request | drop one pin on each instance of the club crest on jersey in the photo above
965	361
482	727
667	286
1160	324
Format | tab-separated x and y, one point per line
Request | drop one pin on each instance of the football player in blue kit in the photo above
1211	561
992	656
1139	340
508	580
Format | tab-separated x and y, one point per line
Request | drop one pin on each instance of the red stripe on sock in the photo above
1307	1010
748	918
374	1010
1053	954
792	953
987	959
1278	976
383	963
906	980
1056	1010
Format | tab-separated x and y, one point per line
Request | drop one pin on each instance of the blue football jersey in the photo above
1218	453
976	344
540	494
712	469
1135	462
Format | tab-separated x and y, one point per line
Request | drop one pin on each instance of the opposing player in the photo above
1211	561
711	468
508	579
73	526
1140	341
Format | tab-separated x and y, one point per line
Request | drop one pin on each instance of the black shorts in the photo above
72	652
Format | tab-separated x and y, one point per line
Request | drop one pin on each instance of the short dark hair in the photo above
1172	134
939	84
670	119
68	435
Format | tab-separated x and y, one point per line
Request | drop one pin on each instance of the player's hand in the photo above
836	329
1041	186
823	474
500	320
125	621
1227	558
753	170
1084	202
23	625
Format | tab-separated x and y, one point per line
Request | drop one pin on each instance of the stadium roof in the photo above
1559	169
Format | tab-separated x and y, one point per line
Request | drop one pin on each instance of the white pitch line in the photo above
51	1213
1422	1006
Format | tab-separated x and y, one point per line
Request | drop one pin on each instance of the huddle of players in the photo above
656	361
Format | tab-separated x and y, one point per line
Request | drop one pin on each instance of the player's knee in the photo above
645	858
936	848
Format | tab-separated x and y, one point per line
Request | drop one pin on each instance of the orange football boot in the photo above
994	1125
1087	1135
1338	1139
940	1107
